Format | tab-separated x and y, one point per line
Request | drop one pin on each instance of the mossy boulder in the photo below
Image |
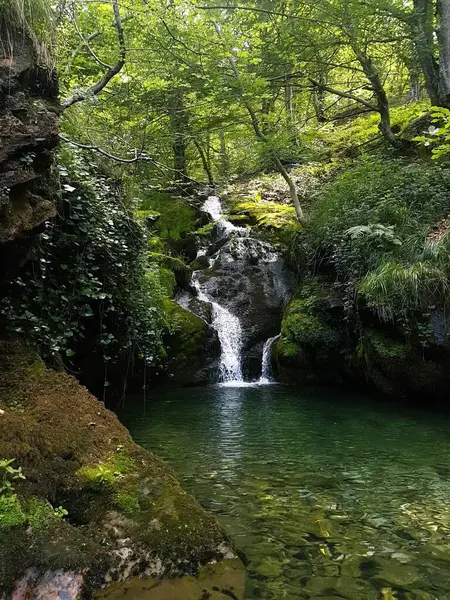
312	335
400	369
94	508
193	347
178	219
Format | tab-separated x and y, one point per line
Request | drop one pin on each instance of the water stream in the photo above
330	496
266	371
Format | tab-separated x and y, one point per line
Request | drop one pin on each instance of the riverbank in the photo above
81	505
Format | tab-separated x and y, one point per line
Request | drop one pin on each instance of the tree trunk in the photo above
443	36
292	190
288	105
224	158
205	162
319	100
373	76
423	36
179	124
414	81
259	134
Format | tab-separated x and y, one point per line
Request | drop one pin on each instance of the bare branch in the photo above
327	88
85	44
112	71
138	156
169	31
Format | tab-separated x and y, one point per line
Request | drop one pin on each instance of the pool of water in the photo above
329	496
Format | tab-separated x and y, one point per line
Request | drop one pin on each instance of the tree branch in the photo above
138	156
85	43
327	88
112	71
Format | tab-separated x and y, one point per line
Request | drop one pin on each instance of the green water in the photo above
328	496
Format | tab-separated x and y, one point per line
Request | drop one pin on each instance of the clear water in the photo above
328	496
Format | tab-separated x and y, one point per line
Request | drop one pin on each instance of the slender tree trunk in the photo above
179	124
319	100
373	76
423	36
414	79
443	36
224	158
288	102
205	162
292	189
259	134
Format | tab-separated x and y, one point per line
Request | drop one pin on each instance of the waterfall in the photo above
239	246
265	368
229	331
227	325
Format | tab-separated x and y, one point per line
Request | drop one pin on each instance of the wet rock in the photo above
394	573
343	587
269	568
224	581
251	280
193	345
127	515
28	136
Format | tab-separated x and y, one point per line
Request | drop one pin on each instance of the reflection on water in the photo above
328	497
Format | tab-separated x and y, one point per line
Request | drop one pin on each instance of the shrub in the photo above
89	280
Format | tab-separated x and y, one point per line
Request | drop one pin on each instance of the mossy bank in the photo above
94	508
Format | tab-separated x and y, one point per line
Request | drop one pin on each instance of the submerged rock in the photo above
214	582
125	515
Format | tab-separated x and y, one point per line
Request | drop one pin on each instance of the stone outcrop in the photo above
28	137
125	515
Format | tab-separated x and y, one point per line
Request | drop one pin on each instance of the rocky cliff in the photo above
28	138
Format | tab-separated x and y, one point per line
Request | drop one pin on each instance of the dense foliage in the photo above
91	287
341	104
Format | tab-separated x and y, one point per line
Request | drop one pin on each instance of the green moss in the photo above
127	500
40	513
383	346
11	512
306	322
37	368
167	280
187	343
107	473
177	217
183	321
206	230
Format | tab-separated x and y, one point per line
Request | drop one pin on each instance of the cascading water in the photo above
238	266
229	331
228	326
266	376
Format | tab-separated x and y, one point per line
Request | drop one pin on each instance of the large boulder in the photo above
250	279
193	347
313	336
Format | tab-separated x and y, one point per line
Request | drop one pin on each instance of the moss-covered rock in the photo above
193	346
177	221
94	507
312	336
